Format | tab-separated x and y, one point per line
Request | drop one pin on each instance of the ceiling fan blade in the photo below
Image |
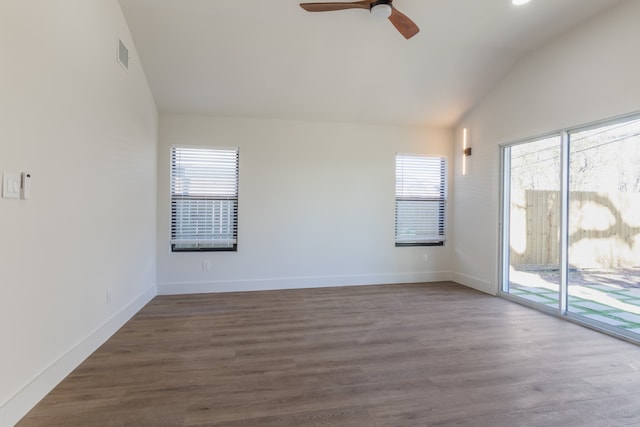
406	26
328	7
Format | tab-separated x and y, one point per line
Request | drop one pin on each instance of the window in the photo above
204	199
421	198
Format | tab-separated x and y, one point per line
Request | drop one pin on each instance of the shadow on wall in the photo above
604	229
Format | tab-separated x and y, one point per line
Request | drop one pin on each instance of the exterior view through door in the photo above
571	224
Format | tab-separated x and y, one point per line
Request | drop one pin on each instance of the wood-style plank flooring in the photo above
436	354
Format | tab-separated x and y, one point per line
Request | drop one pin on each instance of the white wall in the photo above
589	74
316	206
86	130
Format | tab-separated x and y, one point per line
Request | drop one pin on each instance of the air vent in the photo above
123	54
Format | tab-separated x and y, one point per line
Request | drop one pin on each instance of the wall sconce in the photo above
466	151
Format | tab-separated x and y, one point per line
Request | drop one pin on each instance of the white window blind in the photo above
204	198
421	198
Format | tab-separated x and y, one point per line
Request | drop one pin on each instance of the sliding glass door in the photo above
571	224
533	220
604	224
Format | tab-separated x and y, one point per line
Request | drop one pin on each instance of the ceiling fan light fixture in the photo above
378	8
381	10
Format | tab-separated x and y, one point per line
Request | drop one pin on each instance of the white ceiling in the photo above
271	59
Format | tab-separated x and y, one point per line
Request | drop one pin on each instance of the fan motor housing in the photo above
377	2
381	9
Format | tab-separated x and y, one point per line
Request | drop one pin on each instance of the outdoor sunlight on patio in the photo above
609	297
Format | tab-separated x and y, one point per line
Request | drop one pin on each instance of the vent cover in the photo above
123	54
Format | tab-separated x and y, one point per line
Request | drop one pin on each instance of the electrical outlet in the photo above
109	292
206	265
426	257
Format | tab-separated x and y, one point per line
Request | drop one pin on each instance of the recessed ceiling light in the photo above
519	2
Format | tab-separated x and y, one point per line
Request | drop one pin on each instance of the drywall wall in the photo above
316	206
85	129
588	74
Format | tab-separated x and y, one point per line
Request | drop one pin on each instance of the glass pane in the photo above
204	221
419	221
533	212
604	224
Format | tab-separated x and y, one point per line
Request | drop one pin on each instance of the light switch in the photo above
10	186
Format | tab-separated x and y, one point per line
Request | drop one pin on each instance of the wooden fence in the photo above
604	229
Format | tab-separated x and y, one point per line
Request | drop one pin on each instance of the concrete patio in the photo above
611	297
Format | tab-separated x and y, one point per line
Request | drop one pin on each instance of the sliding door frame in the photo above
504	228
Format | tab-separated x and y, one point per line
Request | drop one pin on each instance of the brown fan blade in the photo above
328	7
406	26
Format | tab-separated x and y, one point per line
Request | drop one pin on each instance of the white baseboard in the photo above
299	282
24	400
475	283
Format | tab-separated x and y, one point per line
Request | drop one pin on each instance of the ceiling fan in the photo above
382	8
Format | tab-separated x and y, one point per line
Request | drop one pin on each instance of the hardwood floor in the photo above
396	355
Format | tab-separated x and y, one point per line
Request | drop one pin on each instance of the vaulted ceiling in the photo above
271	59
